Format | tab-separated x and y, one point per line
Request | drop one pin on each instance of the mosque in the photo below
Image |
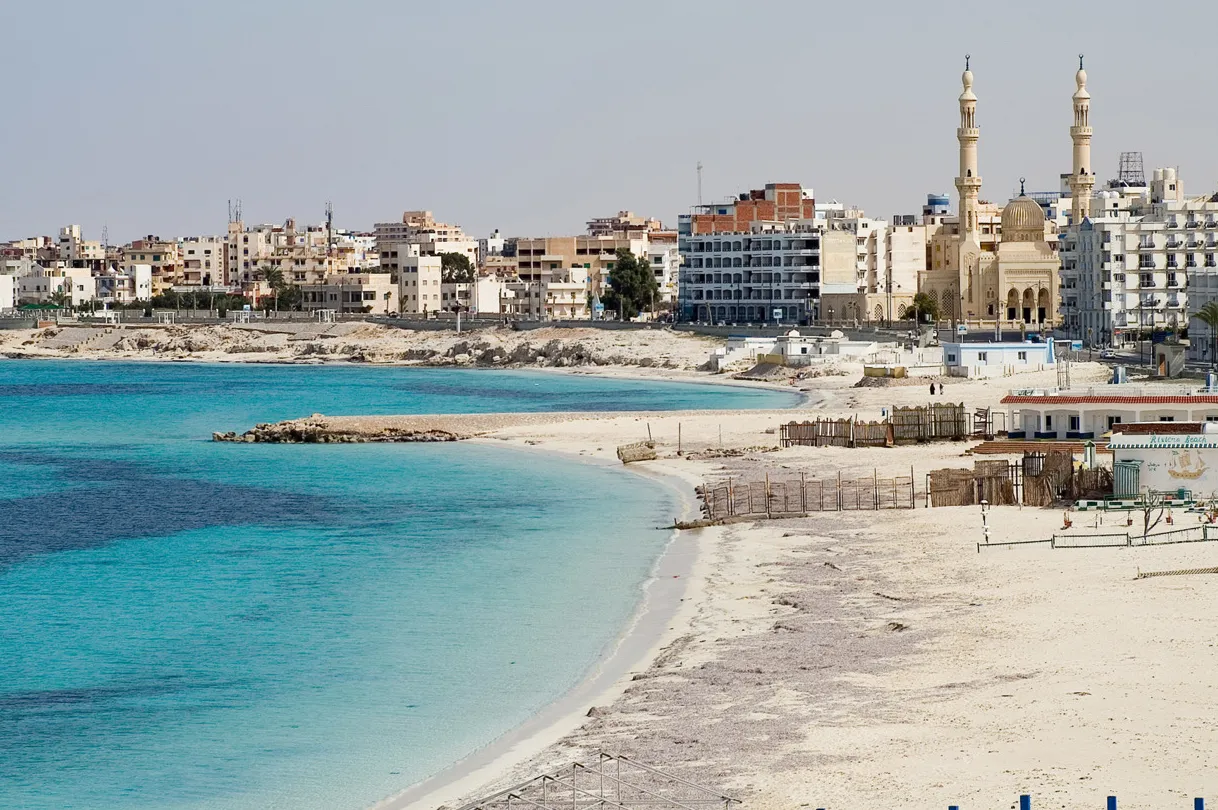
1002	264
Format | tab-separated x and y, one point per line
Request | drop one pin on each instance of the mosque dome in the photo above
1023	220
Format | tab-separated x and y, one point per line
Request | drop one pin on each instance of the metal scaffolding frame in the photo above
610	781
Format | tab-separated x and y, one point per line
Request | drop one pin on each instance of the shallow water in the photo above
194	624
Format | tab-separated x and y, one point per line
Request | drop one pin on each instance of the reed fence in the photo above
796	497
906	425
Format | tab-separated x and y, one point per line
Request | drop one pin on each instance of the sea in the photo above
192	624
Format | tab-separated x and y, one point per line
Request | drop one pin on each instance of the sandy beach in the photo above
867	659
877	659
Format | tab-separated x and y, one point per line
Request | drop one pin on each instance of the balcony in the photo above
1147	284
1173	281
1173	242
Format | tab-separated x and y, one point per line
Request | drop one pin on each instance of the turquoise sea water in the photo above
201	625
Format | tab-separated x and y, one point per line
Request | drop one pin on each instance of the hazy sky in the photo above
534	116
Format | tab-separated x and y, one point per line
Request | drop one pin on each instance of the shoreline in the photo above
666	607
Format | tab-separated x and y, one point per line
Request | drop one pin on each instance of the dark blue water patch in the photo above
13	390
128	500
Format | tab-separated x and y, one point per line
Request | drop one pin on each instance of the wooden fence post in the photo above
875	487
839	490
803	493
767	495
731	506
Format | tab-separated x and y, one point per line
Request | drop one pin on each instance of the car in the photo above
1107	354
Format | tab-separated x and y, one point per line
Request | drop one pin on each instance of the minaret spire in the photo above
968	184
1082	179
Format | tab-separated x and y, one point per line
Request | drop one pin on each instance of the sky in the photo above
532	117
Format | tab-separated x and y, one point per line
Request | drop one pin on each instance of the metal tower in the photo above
1131	172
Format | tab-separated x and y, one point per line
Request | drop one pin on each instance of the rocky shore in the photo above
354	342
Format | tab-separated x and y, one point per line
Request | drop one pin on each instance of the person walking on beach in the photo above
932	389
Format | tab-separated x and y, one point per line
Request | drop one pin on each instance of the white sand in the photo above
876	659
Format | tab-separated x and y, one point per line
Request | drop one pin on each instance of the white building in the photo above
76	283
418	279
743	277
1168	462
490	246
997	359
1089	413
665	261
483	296
124	285
8	293
1131	267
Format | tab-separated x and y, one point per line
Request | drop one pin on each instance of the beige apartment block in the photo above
420	228
372	293
162	256
584	260
203	261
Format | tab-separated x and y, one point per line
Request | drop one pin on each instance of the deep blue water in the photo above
194	624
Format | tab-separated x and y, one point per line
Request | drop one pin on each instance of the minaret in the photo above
1082	179
968	184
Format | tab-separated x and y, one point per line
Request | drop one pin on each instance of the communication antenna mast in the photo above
329	228
1131	172
699	183
105	237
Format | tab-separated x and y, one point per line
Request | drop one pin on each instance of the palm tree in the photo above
1208	315
273	276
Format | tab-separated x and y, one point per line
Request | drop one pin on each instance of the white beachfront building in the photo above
1091	412
998	359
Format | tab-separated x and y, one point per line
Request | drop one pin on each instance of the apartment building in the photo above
624	222
353	293
41	284
756	258
77	251
162	255
419	280
203	261
432	237
551	293
582	259
8	293
1142	261
664	258
124	285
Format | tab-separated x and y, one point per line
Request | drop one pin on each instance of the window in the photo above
983	357
1167	418
1073	423
951	359
1048	421
1211	418
1023	357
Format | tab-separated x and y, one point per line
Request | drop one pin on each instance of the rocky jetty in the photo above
316	430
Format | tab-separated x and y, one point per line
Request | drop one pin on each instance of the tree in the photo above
632	285
924	307
1208	315
273	276
456	268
